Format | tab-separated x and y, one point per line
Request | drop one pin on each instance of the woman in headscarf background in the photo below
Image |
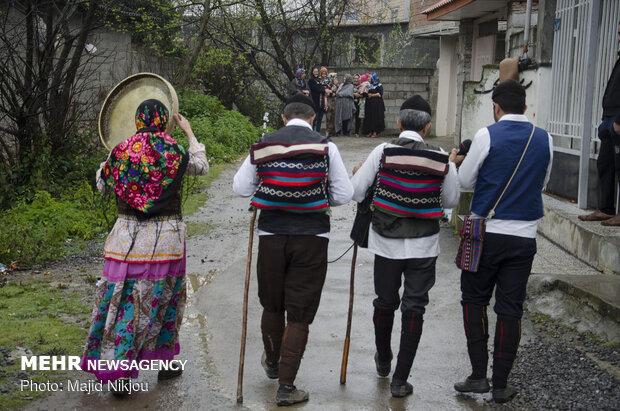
299	84
141	295
362	92
317	93
345	106
374	116
334	83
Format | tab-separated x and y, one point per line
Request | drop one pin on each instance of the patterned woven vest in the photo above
293	177
409	183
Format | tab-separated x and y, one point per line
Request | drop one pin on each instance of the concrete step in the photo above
591	242
589	303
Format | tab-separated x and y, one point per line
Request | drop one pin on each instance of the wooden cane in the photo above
244	321
347	338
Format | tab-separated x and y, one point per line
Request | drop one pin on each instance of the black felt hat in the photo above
509	89
464	147
416	103
300	98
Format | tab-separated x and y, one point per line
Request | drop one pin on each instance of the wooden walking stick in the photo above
347	338
244	321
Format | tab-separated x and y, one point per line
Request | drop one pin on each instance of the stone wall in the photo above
398	85
397	48
116	58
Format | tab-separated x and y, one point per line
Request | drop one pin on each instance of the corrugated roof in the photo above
437	5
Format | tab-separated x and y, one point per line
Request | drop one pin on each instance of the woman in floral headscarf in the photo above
299	85
140	297
374	116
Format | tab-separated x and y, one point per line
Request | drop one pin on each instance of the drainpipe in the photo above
528	23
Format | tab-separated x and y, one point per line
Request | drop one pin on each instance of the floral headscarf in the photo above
151	115
141	168
301	83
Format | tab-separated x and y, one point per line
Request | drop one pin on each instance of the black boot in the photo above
163	375
289	395
272	328
383	321
121	388
293	347
400	388
271	368
409	339
480	385
476	327
507	337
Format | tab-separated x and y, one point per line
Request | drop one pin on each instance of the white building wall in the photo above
445	118
478	108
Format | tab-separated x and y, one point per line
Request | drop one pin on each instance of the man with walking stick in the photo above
411	184
293	175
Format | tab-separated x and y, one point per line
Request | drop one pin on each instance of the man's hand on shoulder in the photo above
455	157
357	167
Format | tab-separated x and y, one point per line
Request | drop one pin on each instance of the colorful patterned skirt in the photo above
137	315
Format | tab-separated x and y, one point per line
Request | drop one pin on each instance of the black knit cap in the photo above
300	98
416	103
509	91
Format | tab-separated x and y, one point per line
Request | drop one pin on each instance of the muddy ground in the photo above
555	369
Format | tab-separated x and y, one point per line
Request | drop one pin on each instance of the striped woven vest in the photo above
293	177
409	183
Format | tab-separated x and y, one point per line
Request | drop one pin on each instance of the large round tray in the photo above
117	115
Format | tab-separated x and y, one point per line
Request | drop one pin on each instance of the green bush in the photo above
226	134
60	219
49	228
193	104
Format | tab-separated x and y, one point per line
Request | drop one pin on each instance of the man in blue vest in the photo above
412	183
510	241
293	192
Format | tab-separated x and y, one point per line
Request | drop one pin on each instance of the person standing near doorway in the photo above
608	163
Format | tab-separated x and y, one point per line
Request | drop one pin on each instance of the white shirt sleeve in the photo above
198	163
365	176
245	181
548	175
100	183
478	152
450	188
340	188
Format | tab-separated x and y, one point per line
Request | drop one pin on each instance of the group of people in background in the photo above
349	103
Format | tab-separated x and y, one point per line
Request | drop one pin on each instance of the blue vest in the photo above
523	199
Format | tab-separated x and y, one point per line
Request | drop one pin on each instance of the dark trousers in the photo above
419	276
608	166
345	127
291	273
318	119
505	266
356	115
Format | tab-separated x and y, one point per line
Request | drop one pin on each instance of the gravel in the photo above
556	370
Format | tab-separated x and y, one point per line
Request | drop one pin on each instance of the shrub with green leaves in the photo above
53	223
226	134
49	228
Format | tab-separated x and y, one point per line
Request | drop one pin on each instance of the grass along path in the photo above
48	313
